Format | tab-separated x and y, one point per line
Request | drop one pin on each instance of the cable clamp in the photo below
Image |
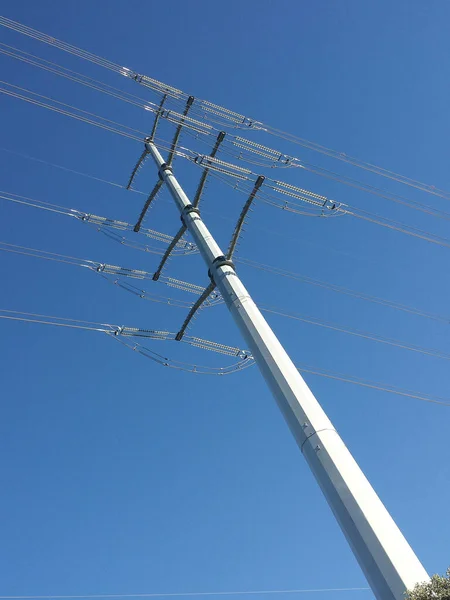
190	208
162	169
220	261
329	204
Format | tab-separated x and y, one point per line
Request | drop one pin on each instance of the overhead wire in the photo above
208	109
289	206
265	230
115	274
142	103
75	76
341	210
251	263
42	37
355	332
189	594
121	128
108	123
375	385
246	360
124	334
340	289
104	224
69	170
418	233
328	174
260	266
208	298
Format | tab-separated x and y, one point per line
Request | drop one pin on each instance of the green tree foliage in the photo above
436	589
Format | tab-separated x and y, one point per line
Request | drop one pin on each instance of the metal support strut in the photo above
222	260
176	137
242	216
149	200
389	563
173	147
144	154
195	203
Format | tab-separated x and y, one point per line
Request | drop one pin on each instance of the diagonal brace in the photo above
158	185
240	222
150	199
176	137
144	154
206	293
195	203
225	259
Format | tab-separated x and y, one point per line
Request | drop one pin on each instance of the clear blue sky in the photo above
119	476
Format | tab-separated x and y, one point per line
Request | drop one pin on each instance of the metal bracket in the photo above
195	203
150	199
220	261
164	167
207	292
242	216
157	117
329	204
144	154
187	210
176	137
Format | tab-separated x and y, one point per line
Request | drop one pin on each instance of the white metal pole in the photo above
388	562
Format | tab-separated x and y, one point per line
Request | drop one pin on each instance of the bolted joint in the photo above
190	208
220	261
162	169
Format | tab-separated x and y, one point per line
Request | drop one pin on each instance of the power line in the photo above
68	170
114	274
103	224
246	261
189	287
363	519
293	162
124	334
183	594
340	289
248	146
356	332
374	385
107	271
241	143
265	230
210	110
341	210
74	76
270	268
85	116
245	174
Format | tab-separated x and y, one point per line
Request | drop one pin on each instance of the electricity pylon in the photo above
388	561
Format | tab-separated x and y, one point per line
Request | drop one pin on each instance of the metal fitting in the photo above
164	167
220	261
190	208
